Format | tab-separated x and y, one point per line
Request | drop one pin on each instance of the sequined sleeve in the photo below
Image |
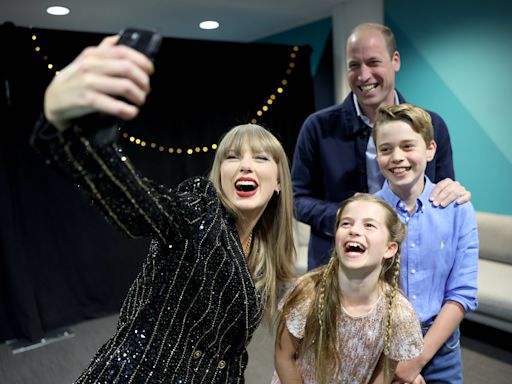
406	339
296	318
137	206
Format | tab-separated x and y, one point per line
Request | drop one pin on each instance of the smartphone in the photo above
143	40
106	126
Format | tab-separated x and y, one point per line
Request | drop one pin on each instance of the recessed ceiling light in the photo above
57	10
210	24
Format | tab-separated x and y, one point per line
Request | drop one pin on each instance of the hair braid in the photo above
324	328
391	299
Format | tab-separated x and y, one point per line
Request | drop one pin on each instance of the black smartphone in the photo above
143	40
106	126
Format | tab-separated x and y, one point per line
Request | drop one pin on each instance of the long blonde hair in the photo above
272	258
322	287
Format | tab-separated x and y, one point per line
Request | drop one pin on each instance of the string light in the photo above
284	82
198	149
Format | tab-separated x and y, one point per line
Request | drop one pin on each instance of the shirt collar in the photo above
359	113
422	200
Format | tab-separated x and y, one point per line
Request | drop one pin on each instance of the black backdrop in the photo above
60	262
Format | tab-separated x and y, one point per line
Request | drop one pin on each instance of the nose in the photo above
246	163
397	156
355	229
364	73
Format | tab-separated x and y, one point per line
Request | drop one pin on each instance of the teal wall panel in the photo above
455	56
315	34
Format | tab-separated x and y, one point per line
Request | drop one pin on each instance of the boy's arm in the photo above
444	325
285	356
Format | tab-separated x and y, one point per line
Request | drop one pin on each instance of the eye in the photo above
408	147
344	224
262	156
384	150
370	225
231	155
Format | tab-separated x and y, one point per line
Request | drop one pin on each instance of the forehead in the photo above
393	131
363	210
366	43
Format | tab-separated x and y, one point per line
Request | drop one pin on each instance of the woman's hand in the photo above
94	81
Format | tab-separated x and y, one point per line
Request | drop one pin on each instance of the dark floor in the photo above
486	353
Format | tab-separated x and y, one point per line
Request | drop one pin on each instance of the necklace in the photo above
247	245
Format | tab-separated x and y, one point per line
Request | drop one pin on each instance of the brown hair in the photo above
417	118
272	258
321	286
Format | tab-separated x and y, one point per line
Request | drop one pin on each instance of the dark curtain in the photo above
60	261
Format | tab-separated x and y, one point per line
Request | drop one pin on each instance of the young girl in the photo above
346	322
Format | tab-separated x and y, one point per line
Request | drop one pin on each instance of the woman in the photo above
220	246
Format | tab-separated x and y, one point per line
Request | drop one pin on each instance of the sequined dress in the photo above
193	308
361	340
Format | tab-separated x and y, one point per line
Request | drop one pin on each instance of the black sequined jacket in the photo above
193	308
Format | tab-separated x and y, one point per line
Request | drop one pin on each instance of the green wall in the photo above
456	60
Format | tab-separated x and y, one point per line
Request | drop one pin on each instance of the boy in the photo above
440	255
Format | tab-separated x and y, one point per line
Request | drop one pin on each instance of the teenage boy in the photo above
439	258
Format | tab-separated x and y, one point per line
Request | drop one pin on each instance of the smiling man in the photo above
335	155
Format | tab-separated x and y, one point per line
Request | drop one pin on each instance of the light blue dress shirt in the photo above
439	258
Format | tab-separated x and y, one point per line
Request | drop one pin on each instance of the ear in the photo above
396	61
391	250
431	150
277	189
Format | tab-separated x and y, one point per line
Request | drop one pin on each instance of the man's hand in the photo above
448	190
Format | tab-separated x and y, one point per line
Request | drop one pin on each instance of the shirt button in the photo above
221	364
413	245
197	354
413	271
414	297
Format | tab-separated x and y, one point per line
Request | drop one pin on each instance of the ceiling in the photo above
241	20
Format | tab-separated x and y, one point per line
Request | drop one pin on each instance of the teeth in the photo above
399	170
368	87
352	244
246	183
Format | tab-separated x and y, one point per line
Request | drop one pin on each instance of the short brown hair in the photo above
417	118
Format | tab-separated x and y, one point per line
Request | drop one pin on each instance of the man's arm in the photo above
446	189
307	179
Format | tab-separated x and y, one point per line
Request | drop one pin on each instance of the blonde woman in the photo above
347	322
220	246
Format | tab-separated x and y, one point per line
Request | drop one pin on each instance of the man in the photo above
335	155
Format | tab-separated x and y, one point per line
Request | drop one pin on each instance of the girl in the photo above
220	246
346	322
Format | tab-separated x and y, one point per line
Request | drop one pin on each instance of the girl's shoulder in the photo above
296	304
406	335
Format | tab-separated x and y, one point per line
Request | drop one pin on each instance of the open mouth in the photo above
354	247
245	186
